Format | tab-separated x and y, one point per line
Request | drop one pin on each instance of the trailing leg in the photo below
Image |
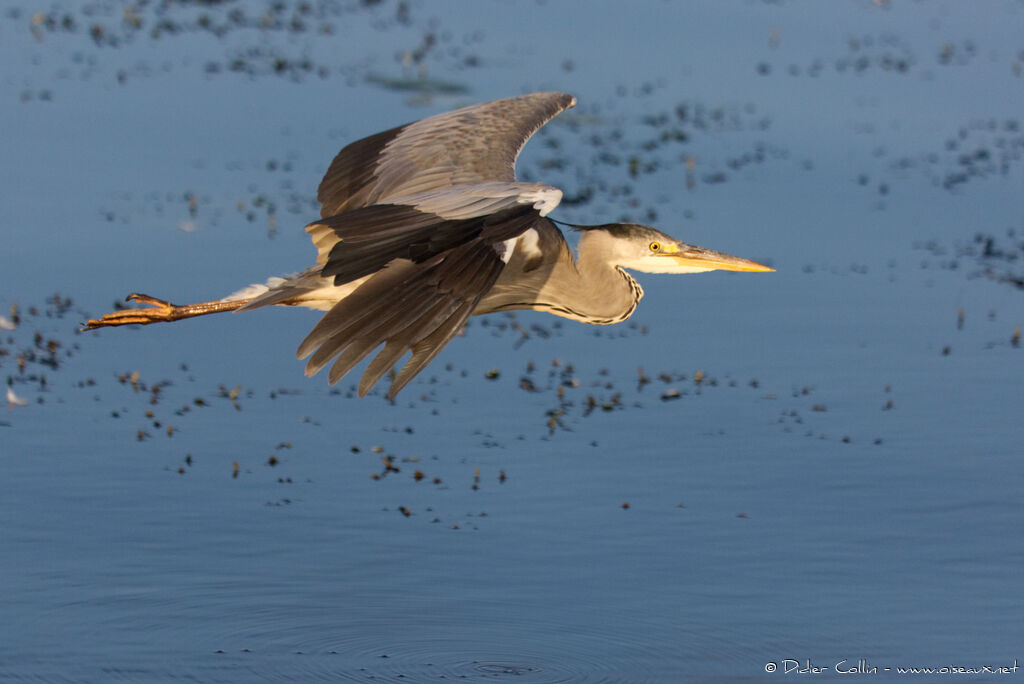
160	311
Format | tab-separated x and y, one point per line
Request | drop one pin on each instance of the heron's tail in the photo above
288	290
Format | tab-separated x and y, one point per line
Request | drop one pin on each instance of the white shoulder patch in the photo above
505	249
544	199
529	244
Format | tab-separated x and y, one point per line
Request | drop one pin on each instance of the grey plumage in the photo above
472	145
428	208
425	224
409	305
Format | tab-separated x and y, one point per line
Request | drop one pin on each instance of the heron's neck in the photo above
588	288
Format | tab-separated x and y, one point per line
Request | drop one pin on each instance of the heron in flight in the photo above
425	225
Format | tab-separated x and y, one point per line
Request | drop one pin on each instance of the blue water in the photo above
822	471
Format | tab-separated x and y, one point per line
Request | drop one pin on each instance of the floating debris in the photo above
427	86
642	379
13	400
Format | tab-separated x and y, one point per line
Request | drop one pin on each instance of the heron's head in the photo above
642	248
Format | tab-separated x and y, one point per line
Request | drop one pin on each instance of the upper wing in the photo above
430	212
468	146
411	303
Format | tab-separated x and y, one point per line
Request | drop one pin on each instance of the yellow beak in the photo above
709	259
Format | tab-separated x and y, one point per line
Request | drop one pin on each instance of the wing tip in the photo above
564	100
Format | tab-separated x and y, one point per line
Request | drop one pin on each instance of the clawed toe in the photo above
160	311
146	299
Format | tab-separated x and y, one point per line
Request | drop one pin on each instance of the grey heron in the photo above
426	224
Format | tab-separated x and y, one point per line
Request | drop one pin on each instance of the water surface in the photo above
814	466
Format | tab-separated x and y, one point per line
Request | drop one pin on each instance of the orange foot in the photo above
161	311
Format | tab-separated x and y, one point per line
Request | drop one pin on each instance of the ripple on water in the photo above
478	641
439	661
481	641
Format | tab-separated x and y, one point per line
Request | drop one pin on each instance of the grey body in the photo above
425	224
384	202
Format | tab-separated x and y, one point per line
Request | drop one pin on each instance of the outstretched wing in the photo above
417	298
428	214
468	146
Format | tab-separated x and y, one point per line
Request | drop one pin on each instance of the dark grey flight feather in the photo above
405	306
372	236
466	146
427	211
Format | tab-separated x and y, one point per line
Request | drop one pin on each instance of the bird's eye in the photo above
655	246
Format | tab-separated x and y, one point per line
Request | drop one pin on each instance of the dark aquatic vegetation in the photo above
418	85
